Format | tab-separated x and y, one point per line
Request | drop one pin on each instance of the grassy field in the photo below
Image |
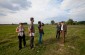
75	41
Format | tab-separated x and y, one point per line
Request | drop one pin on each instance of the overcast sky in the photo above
15	11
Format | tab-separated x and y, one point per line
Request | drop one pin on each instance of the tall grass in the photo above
75	41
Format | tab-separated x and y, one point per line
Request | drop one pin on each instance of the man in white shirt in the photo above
63	31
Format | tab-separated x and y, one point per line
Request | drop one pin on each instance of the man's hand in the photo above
17	30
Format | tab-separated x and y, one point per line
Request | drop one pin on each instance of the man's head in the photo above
39	22
32	19
62	23
20	24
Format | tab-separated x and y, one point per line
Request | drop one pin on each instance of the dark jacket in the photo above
40	30
58	27
65	27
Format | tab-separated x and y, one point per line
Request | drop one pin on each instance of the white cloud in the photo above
75	8
45	10
7	6
70	4
14	5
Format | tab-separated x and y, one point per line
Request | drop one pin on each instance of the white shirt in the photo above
61	27
31	34
21	30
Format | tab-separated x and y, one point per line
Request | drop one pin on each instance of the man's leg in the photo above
40	38
58	35
20	42
24	41
32	42
63	37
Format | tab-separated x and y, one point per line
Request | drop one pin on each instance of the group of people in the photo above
21	33
61	29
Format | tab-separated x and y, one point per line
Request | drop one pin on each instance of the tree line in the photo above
70	22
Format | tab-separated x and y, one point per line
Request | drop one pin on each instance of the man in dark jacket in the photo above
58	30
63	31
41	32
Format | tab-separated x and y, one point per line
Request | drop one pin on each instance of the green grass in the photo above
75	41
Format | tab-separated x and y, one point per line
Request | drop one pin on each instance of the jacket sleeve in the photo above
65	28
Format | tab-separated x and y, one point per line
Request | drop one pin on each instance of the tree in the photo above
70	21
52	22
25	23
81	22
75	23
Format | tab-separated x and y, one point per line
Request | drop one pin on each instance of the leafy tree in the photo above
81	22
52	22
70	21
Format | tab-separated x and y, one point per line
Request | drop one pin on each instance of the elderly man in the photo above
63	31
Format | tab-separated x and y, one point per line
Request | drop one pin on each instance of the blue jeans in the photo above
40	38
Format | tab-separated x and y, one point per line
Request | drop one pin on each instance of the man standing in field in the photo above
63	31
58	30
21	35
31	33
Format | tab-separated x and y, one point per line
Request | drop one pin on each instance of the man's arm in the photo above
66	29
17	29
